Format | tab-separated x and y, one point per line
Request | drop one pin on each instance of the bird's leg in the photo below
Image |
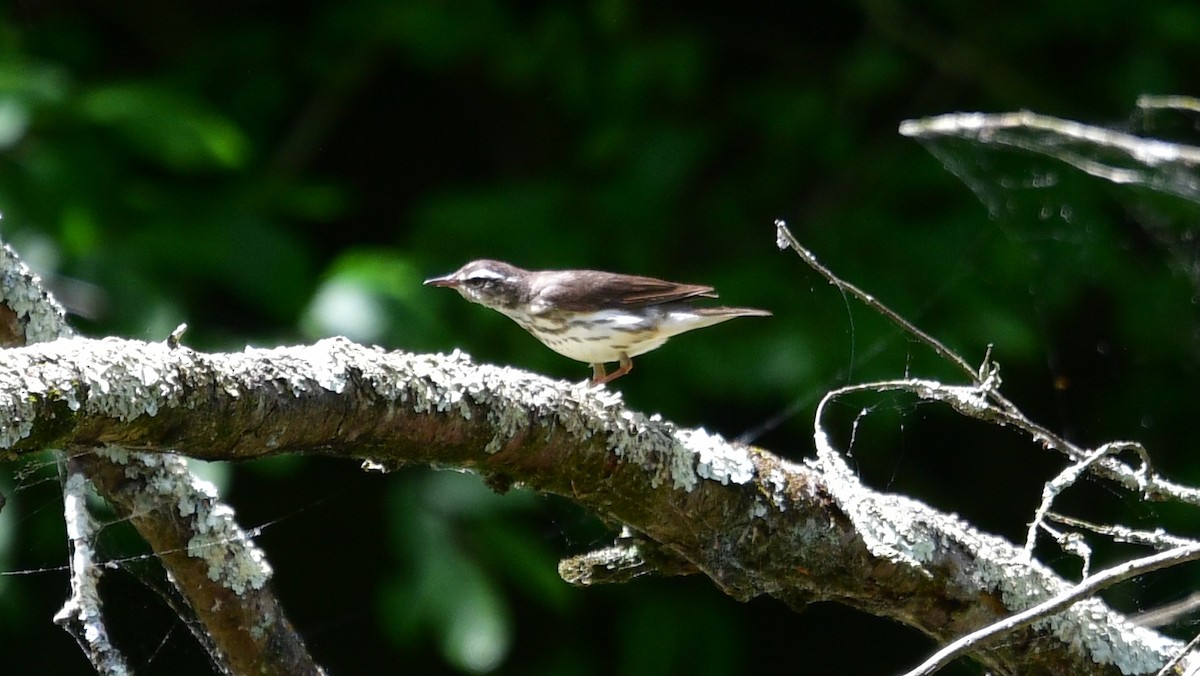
599	378
598	375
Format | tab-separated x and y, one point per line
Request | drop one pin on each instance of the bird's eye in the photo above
478	282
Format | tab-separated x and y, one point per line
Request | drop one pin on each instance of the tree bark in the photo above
752	522
217	569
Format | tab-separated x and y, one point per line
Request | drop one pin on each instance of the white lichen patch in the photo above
428	389
719	460
231	557
23	294
119	382
326	364
517	404
127	379
1089	626
912	534
777	481
74	491
110	378
114	454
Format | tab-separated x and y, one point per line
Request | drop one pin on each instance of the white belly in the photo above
602	337
582	347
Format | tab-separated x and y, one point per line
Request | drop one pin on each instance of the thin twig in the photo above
786	239
982	401
987	403
1065	480
1169	667
1157	538
1086	589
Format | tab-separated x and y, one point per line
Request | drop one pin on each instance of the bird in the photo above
588	315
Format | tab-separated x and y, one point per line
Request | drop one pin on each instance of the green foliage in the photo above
273	173
165	128
449	534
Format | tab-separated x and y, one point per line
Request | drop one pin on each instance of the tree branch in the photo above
214	566
751	521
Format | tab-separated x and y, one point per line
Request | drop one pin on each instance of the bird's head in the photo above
495	284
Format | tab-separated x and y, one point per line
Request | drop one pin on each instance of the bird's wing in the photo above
580	290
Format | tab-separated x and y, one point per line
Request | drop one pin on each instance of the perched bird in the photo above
590	316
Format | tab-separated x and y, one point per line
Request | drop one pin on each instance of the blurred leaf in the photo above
527	561
446	589
166	126
461	495
370	295
475	627
14	120
26	86
32	82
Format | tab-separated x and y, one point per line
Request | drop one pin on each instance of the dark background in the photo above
273	172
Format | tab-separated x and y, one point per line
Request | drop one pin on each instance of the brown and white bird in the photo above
590	316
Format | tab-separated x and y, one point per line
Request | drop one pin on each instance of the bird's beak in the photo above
447	280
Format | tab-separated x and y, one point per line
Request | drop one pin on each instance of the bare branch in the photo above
81	615
1089	587
1067	478
1104	153
785	239
752	522
243	632
29	314
1158	538
983	401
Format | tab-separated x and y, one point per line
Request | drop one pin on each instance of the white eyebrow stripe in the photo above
485	274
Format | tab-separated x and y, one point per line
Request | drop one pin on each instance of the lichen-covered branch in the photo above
751	521
29	315
81	615
240	622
